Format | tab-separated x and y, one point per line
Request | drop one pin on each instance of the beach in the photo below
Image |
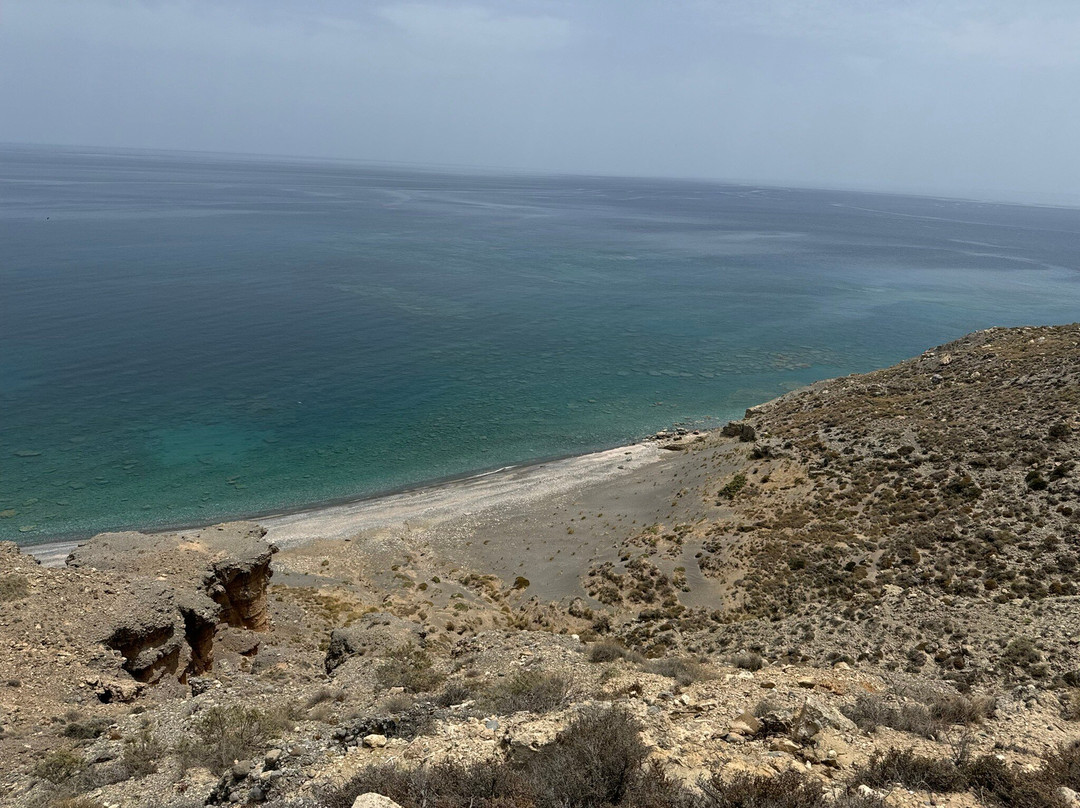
486	495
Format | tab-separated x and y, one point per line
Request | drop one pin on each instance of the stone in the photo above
1068	796
370	635
784	745
272	759
373	800
374	741
816	715
746	724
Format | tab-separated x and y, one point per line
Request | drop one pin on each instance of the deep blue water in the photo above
185	338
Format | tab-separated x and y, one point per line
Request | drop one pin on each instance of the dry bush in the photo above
684	670
530	691
13	587
87	730
224	734
607	651
595	761
410	668
927	720
954	708
142	753
454	693
748	660
910	770
324	695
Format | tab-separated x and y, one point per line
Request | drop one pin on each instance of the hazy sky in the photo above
949	96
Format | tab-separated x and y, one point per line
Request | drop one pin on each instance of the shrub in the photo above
733	486
454	693
607	651
911	771
530	691
1022	653
958	709
87	730
60	767
684	670
410	668
225	734
788	790
594	761
142	752
13	587
748	660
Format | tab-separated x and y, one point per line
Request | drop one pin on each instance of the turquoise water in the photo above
186	338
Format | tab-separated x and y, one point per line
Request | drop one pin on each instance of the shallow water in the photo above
187	338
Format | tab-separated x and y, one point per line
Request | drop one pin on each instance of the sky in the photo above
952	97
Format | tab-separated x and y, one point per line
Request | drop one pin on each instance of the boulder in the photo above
179	587
373	800
741	430
746	725
817	715
374	633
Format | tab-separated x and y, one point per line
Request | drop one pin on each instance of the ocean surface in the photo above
188	338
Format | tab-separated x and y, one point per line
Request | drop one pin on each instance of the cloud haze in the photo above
943	96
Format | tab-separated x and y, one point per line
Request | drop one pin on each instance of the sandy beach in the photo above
491	493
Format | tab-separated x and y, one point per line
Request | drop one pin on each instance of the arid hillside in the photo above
862	594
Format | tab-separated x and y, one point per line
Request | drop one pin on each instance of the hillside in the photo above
863	593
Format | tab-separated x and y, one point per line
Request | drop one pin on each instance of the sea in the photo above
188	338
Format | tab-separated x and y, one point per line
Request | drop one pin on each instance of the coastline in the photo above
426	505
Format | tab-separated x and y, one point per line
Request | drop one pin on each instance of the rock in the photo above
807	682
201	684
115	690
373	800
817	715
1068	796
784	745
178	588
373	633
374	741
741	430
272	759
746	724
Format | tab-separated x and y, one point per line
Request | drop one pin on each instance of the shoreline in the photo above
429	503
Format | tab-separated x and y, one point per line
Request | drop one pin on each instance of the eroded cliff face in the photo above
180	591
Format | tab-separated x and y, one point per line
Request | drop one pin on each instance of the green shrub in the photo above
88	729
60	767
733	486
